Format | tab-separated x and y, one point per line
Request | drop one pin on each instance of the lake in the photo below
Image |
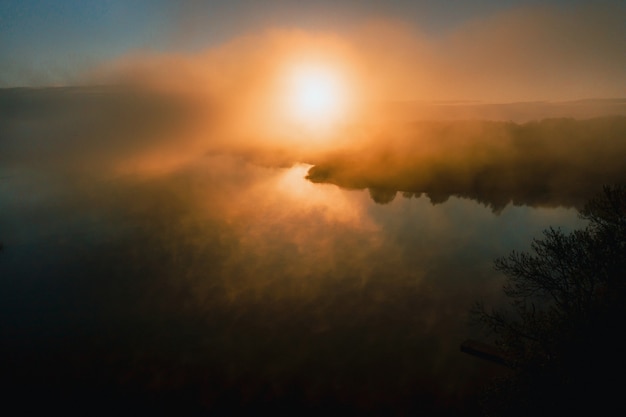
140	269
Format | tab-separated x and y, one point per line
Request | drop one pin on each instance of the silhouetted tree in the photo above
563	331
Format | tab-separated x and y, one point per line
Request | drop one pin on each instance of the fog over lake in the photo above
141	255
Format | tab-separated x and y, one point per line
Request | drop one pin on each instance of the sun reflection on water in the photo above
336	204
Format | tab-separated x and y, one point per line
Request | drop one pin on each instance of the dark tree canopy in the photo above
563	330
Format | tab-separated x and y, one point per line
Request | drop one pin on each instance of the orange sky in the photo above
520	55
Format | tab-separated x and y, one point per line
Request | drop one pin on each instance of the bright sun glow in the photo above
317	96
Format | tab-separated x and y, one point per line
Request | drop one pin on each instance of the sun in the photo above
317	96
316	92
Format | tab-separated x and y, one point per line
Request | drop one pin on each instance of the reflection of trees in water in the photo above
563	332
554	162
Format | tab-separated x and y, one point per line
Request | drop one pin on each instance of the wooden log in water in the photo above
484	351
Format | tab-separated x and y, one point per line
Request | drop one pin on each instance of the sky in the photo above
45	43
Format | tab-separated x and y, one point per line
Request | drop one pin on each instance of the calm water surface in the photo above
231	284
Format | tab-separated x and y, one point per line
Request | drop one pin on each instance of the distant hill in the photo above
519	112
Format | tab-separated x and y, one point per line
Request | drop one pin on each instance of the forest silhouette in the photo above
548	163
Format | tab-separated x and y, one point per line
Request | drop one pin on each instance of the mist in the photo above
137	259
173	241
